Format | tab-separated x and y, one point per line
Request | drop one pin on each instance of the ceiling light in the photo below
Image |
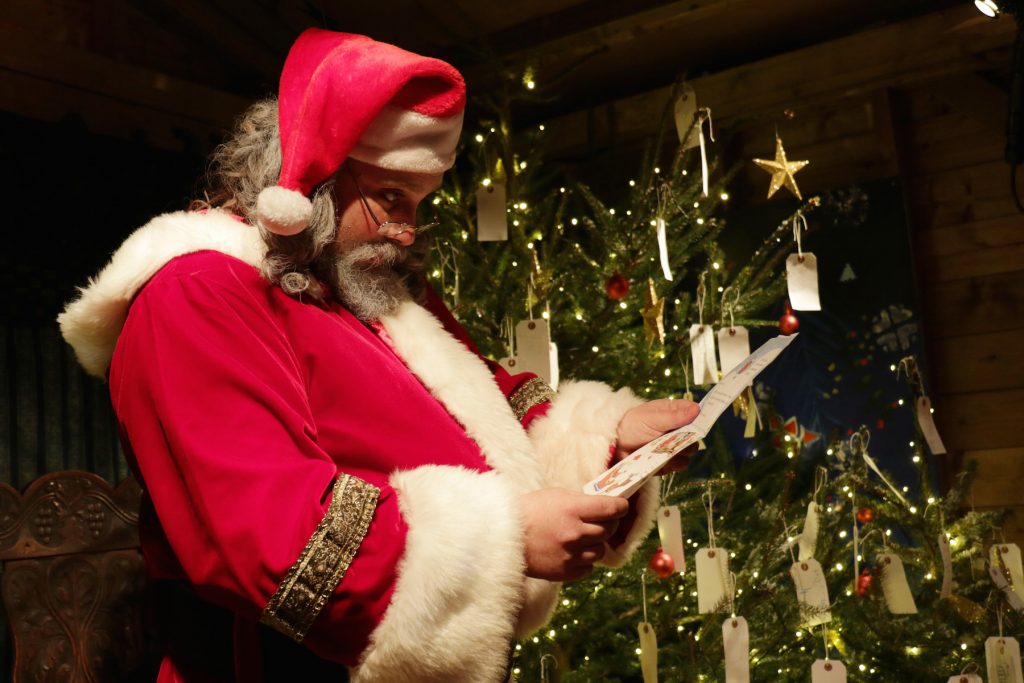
987	7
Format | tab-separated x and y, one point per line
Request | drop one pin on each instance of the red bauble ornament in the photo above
662	564
789	323
865	515
864	583
617	287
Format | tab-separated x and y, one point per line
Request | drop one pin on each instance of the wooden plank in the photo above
967	210
1013	527
982	362
977	305
947	42
987	180
981	420
972	95
24	54
986	234
1000	476
1004	259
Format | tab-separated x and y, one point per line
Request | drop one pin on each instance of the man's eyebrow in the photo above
404	184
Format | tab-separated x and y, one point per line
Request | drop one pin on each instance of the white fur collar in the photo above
92	323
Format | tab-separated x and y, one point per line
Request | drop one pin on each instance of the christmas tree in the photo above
627	288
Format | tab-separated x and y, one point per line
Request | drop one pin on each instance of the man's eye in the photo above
391	196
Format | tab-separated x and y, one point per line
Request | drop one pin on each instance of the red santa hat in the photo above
345	95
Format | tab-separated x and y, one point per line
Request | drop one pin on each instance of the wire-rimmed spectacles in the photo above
389	228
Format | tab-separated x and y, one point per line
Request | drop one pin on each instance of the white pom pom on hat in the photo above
342	95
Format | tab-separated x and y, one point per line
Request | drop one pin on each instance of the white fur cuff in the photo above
460	582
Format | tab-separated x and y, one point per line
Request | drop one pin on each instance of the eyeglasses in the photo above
389	228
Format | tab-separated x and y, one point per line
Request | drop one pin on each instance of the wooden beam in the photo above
50	80
953	41
972	95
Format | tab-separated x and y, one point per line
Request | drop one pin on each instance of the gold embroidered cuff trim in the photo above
532	392
324	560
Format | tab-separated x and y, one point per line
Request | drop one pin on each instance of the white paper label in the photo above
1003	584
898	598
702	349
648	652
1009	553
802	280
870	462
947	566
534	351
965	678
809	536
670	532
712	579
686	117
811	592
1002	657
666	269
491	213
926	421
733	347
736	641
828	671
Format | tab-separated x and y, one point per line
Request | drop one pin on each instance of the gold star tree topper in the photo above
782	170
653	313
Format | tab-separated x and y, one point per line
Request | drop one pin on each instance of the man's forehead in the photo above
406	180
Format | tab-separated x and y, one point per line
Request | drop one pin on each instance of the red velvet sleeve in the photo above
212	399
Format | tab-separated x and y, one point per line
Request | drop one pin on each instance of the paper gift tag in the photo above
811	592
702	349
828	671
713	583
534	351
926	421
1009	554
648	652
809	536
947	566
965	678
1003	584
736	641
491	213
666	269
686	117
802	280
670	532
898	598
733	347
1002	657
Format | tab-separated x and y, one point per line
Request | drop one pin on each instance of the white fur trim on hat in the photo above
283	211
404	140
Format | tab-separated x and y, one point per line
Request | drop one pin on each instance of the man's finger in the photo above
601	508
666	414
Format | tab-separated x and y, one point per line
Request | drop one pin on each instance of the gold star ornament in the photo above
782	170
653	313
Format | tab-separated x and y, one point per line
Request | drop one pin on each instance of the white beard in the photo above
366	282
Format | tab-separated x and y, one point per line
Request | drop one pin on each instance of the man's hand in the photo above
651	420
565	531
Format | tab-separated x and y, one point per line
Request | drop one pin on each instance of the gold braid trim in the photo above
324	560
532	392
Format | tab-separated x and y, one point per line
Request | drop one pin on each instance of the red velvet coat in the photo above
353	487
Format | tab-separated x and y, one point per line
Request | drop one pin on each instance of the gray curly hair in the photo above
248	162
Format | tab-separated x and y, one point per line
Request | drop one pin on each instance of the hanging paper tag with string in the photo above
947	566
895	588
685	115
534	352
704	114
1002	658
802	273
491	213
1007	556
648	652
809	536
733	346
736	643
870	462
926	422
712	579
702	349
670	533
666	269
828	671
1003	583
811	592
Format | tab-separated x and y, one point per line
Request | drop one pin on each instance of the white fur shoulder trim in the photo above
92	323
463	383
460	581
573	442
